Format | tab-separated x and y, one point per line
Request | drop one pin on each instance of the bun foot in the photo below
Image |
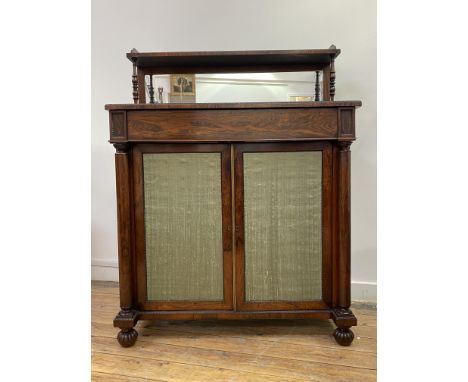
127	337
343	336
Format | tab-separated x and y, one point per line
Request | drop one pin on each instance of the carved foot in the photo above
343	336
127	337
344	319
126	320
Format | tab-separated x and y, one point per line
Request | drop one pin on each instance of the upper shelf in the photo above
320	61
282	60
233	105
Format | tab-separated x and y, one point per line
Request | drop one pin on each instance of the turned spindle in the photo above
135	82
134	77
151	89
332	75
332	79
317	85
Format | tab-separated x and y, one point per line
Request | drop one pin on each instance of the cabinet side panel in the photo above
183	226
283	226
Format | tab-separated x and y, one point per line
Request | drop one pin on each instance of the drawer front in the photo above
232	125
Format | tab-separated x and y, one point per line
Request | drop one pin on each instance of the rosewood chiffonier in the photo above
233	210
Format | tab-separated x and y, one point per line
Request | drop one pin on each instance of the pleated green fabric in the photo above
183	226
283	226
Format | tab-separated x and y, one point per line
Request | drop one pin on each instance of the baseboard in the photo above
364	291
104	270
107	270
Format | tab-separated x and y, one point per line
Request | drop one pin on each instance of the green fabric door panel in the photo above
283	226
183	226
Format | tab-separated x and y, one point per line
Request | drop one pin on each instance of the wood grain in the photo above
241	351
233	105
232	125
233	61
173	128
343	235
106	377
124	225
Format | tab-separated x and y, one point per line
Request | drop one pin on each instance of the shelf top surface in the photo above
273	58
232	105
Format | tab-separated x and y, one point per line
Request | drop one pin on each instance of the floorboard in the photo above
251	350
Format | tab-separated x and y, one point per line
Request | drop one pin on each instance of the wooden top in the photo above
232	105
233	59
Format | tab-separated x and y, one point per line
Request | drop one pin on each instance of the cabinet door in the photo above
183	226
283	225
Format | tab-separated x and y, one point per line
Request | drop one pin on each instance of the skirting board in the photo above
364	291
107	270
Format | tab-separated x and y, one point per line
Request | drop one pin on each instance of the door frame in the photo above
327	267
139	223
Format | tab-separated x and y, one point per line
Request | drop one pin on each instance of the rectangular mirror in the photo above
237	87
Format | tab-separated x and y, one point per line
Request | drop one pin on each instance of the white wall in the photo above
176	25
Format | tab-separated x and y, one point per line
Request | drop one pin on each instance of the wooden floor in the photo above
291	350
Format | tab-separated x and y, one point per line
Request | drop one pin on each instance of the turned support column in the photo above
126	318
317	85
331	76
344	224
135	82
342	315
151	89
122	171
332	79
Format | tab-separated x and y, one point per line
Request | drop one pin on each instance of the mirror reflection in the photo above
236	87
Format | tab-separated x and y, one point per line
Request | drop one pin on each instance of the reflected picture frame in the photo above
182	84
